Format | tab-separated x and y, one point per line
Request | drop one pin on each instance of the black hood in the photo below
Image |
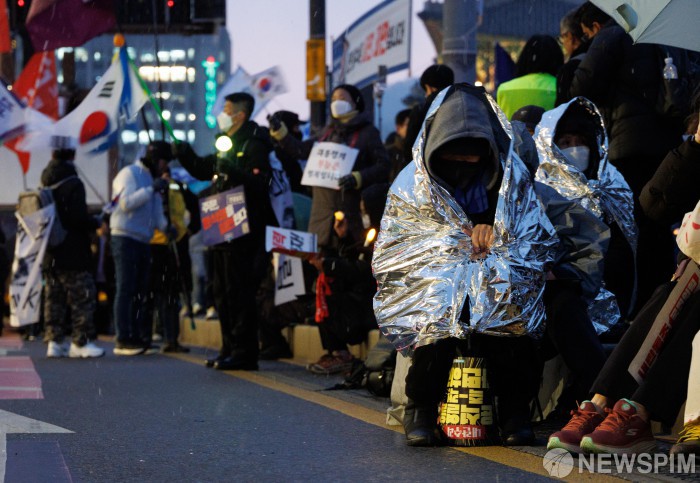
56	171
465	112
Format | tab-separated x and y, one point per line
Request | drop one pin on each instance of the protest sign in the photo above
224	216
289	278
327	163
290	242
30	247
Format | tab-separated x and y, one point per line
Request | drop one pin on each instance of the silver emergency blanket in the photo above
608	197
423	260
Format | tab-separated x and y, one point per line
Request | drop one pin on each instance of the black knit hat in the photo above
355	95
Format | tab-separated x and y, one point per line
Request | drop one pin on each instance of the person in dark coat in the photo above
350	126
239	264
623	80
672	191
67	266
290	164
345	287
575	46
396	146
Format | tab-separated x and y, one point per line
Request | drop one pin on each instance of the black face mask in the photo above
457	174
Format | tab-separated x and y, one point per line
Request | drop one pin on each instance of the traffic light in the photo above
170	3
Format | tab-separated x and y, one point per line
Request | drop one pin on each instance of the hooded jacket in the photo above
601	190
74	253
423	261
372	162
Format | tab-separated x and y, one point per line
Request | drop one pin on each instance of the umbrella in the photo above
665	22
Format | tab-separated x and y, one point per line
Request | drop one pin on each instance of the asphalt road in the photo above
160	418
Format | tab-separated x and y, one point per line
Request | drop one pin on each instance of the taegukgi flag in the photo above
114	101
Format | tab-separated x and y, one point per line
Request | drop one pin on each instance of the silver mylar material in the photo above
609	197
423	264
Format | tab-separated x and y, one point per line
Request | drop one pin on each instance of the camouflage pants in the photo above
74	289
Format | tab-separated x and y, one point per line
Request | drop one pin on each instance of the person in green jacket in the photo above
536	82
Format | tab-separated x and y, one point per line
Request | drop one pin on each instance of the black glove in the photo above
347	182
160	185
275	122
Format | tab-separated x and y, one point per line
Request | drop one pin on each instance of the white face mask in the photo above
340	107
577	156
224	121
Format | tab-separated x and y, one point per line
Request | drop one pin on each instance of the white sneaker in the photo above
88	350
212	314
57	349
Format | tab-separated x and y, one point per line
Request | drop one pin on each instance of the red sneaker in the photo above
584	420
622	432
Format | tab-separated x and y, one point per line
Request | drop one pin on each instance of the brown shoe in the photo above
339	361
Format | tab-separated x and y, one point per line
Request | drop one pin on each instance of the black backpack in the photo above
32	201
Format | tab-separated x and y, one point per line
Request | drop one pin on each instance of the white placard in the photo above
292	242
289	278
328	163
667	317
30	247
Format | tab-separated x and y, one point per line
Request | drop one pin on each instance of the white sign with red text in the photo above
380	37
328	162
291	242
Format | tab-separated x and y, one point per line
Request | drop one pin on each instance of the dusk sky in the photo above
265	33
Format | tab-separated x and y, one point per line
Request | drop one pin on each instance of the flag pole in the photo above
120	42
157	48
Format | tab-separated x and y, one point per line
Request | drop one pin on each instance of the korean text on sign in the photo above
327	163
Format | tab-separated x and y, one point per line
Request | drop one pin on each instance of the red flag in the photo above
36	86
5	45
68	23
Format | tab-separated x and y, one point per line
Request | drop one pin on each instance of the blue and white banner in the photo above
380	37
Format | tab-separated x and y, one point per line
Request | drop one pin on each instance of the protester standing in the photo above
239	265
138	211
69	282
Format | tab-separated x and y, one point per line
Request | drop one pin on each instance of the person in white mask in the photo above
239	264
351	126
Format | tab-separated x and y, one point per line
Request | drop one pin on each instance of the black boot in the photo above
420	424
517	431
